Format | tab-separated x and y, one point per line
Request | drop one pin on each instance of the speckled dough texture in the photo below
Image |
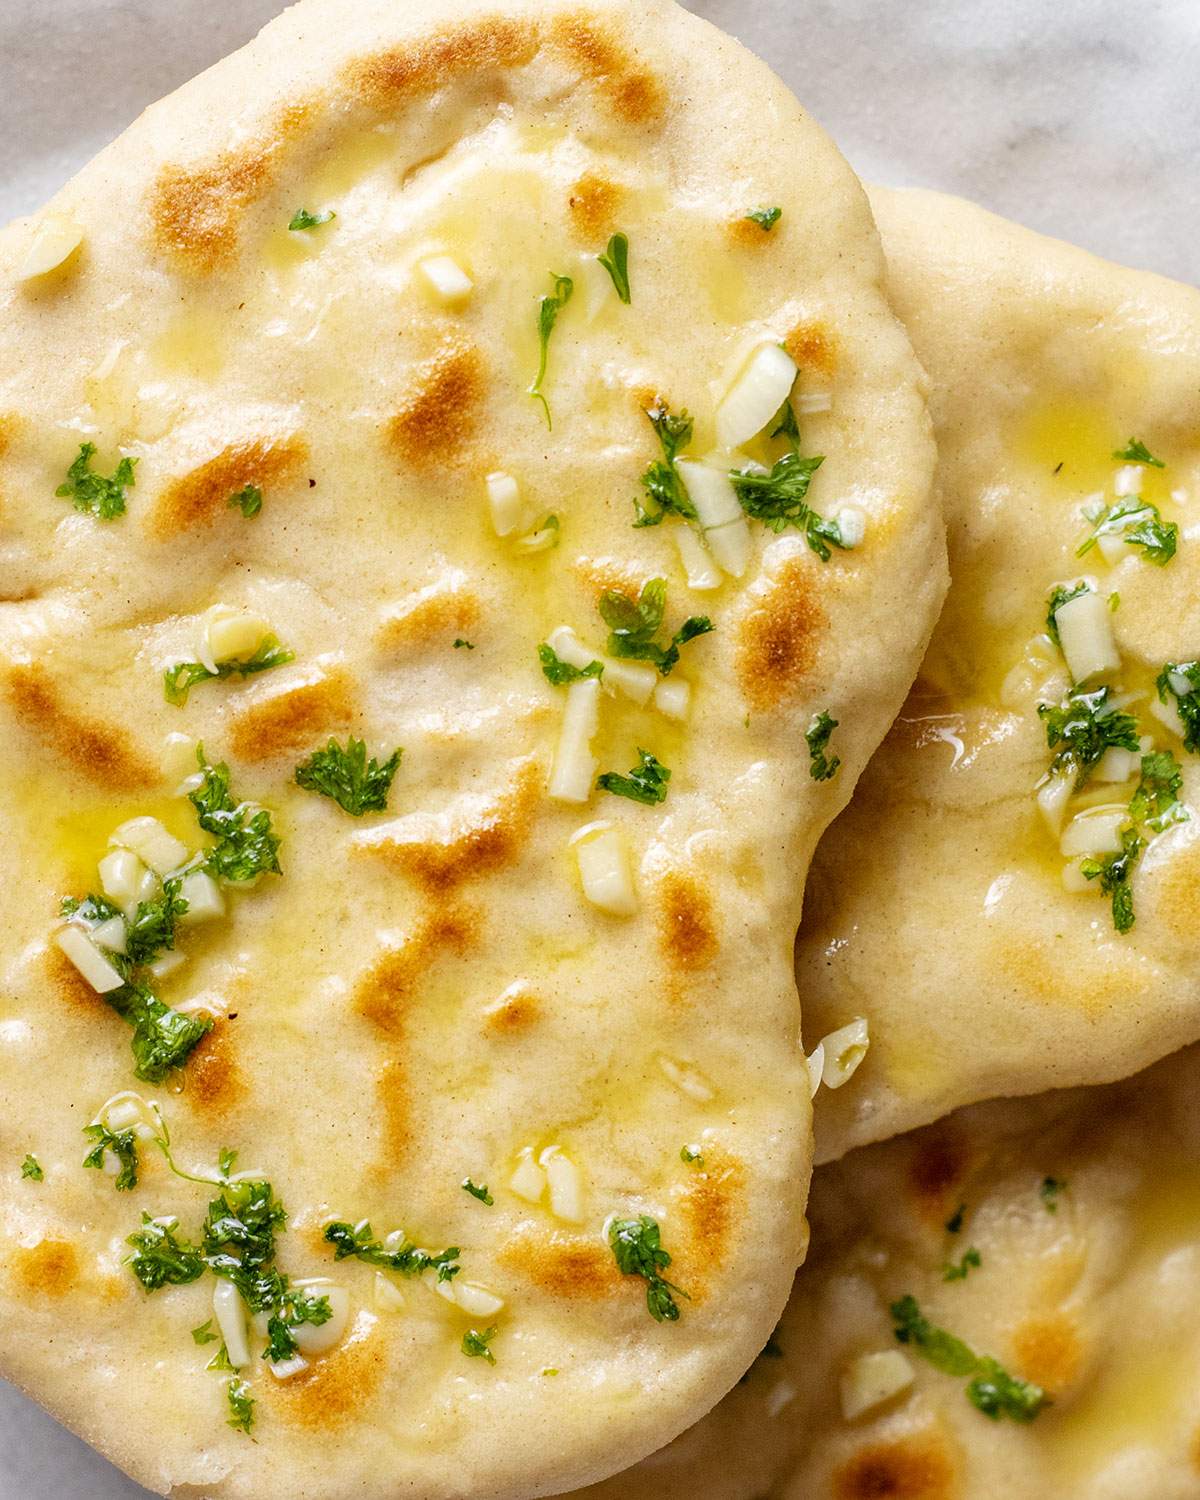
426	992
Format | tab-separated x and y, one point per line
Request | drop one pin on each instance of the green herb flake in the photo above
122	1144
1082	727
1062	594
475	1344
461	645
241	1405
637	1247
1049	1193
247	846
1114	872
162	1258
151	930
777	499
633	626
821	766
548	311
1187	702
559	673
302	219
991	1389
221	1362
765	218
615	261
1137	524
93	494
664	488
204	1334
477	1190
179	679
163	1038
407	1259
1136	452
31	1168
1155	804
959	1271
647	782
356	785
248	500
690	1154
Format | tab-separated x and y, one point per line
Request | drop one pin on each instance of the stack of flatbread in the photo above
483	491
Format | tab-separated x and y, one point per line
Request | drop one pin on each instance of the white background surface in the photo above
1078	117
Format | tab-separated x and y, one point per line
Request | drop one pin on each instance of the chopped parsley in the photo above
1062	594
204	1334
248	500
1114	872
558	672
647	782
690	1154
632	627
241	1405
31	1168
478	1190
548	311
475	1344
122	1144
302	219
777	499
222	1362
238	1240
765	218
179	680
356	785
162	1258
246	845
1085	725
1136	452
961	1270
637	1247
1187	702
163	1038
295	1307
93	493
91	909
1048	1192
461	645
664	489
151	930
991	1389
822	767
615	261
407	1259
1156	803
1138	524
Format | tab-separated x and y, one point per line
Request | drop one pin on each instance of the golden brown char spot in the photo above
198	498
811	347
687	932
709	1204
1048	1351
593	203
911	1468
51	1267
196	211
336	1388
488	845
69	984
395	1114
389	78
103	754
561	1264
749	234
439	414
428	615
290	717
778	639
9	425
600	573
937	1168
214	1079
634	94
383	992
513	1013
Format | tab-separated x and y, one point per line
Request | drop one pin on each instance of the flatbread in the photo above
429	995
1089	1286
936	907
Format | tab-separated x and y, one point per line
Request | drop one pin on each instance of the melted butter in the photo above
724	283
191	344
79	839
355	157
1071	445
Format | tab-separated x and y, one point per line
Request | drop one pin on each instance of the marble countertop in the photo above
1080	118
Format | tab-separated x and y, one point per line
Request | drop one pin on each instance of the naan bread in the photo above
429	996
1089	1286
936	907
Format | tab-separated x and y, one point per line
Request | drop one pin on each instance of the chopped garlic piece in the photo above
87	958
528	1181
284	1369
844	1050
687	1079
566	1185
1112	546
702	572
504	502
1116	764
872	1379
388	1297
1052	798
167	963
545	538
604	870
475	1300
726	531
203	896
815	1063
121	875
130	1111
634	679
446	279
54	241
1127	481
1169	715
178	757
230	1313
319	1338
229	634
755	396
1094	832
1085	630
673	697
110	935
1075	881
574	765
852	525
151	842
